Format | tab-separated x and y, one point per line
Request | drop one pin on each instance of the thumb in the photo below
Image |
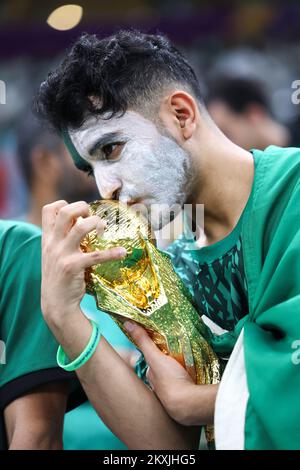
143	342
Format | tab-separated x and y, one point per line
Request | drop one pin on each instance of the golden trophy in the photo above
143	287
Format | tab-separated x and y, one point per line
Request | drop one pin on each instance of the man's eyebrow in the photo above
104	140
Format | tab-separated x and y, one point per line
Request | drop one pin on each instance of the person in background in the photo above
47	169
240	107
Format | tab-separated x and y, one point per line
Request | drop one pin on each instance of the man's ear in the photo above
179	112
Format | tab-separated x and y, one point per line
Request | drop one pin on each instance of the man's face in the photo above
133	162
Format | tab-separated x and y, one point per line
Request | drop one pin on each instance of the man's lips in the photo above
136	201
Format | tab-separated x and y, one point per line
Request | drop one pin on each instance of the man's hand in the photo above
63	263
185	402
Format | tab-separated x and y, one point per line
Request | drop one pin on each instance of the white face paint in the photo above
144	167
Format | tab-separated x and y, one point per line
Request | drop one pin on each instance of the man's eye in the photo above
112	151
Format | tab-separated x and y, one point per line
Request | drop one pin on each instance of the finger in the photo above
144	343
82	227
49	214
67	215
97	257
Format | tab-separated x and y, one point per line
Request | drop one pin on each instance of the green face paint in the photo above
80	163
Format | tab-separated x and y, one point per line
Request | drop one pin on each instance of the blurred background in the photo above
256	40
245	53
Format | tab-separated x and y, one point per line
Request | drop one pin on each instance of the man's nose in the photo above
109	189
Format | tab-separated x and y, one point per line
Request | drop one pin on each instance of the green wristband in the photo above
84	356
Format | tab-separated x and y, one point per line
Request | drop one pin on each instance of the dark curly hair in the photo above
127	70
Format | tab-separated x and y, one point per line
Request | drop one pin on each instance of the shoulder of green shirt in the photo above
15	234
11	230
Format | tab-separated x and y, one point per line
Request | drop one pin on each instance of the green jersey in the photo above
257	405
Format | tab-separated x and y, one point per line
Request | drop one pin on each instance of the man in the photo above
33	390
241	109
131	111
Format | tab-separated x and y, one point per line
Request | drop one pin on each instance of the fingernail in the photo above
129	326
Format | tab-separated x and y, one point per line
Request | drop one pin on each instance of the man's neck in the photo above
225	180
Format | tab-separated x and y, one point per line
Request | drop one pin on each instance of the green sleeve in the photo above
29	343
272	334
